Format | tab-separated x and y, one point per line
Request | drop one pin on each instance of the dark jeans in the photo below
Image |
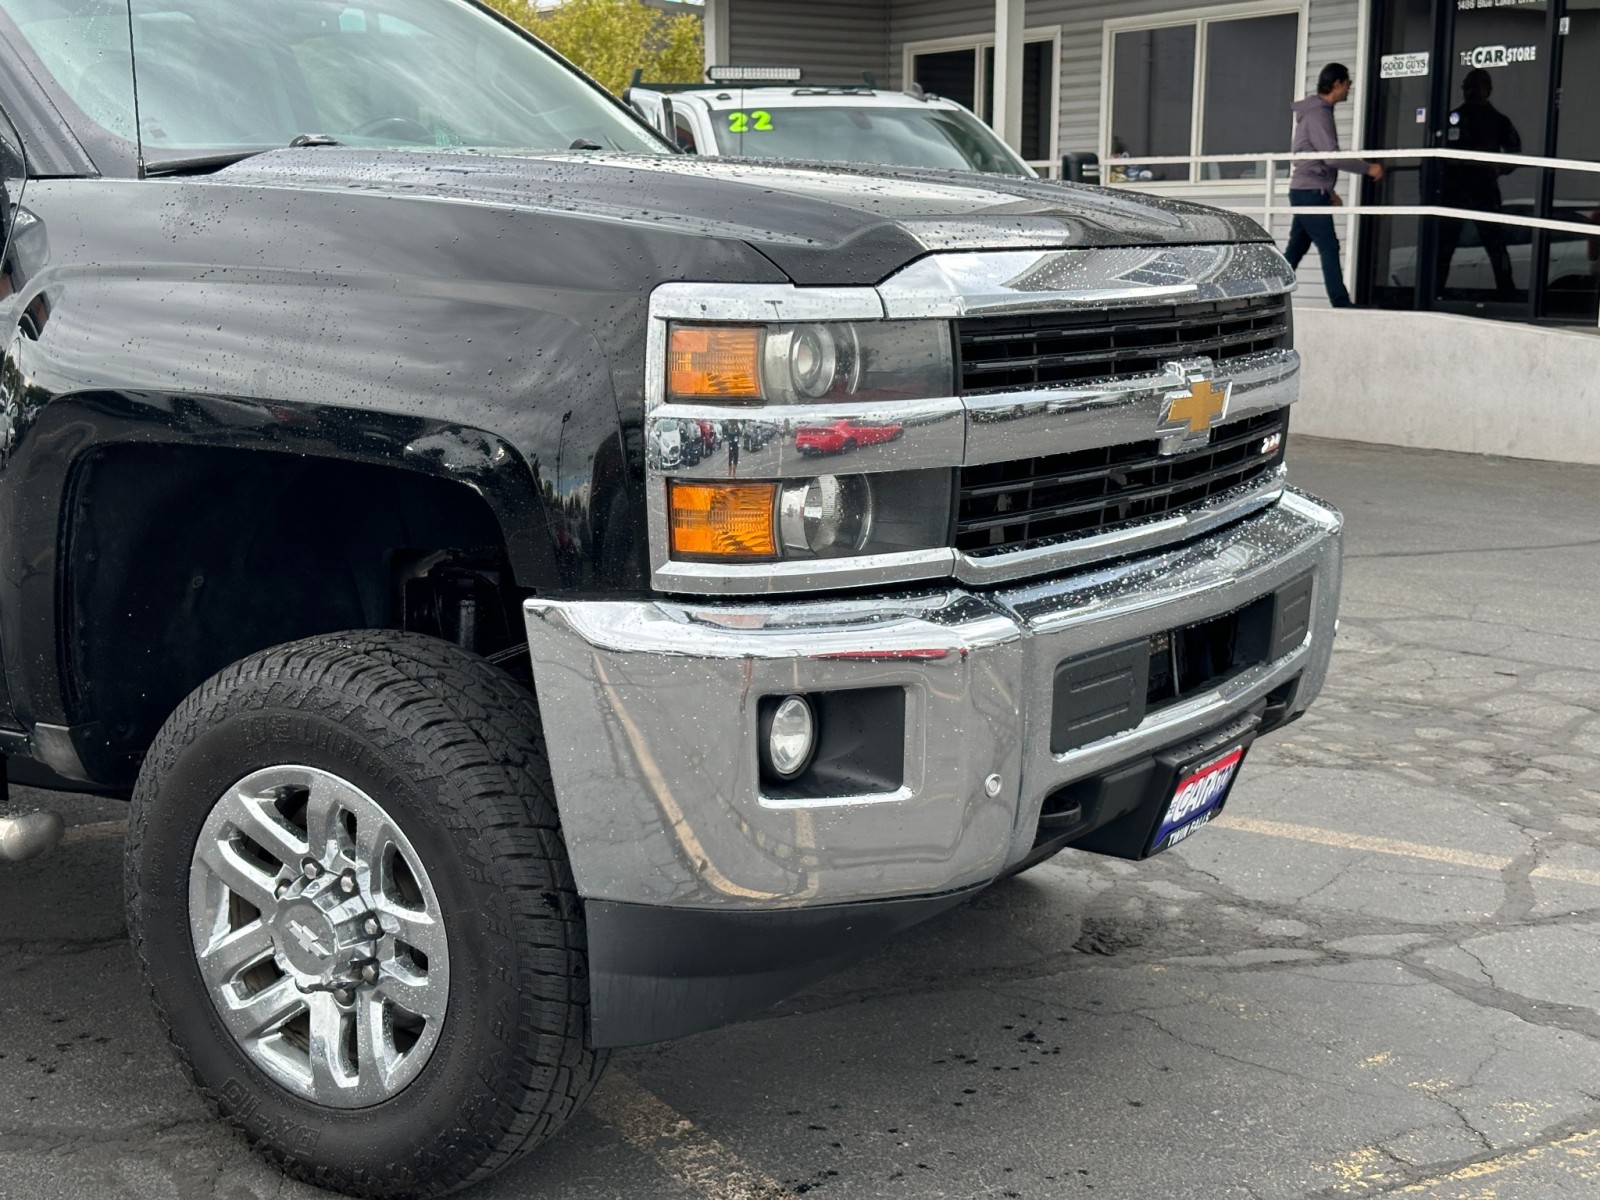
1316	230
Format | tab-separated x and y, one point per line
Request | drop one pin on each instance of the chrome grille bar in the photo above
1084	493
999	353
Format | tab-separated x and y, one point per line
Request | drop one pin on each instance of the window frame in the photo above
40	113
1201	19
977	43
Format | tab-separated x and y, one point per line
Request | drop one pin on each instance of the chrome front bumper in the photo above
649	711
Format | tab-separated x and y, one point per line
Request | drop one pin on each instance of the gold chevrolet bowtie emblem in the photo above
1202	404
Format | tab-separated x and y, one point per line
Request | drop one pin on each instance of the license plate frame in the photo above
1201	791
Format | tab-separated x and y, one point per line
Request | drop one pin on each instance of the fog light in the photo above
789	736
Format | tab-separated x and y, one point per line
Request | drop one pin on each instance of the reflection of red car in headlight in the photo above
843	434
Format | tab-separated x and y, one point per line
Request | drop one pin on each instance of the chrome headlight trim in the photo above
888	436
805	574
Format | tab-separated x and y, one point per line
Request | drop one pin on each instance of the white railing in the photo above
1272	187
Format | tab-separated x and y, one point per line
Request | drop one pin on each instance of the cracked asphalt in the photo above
1376	976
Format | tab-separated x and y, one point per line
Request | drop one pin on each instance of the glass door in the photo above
1498	103
1399	86
1572	266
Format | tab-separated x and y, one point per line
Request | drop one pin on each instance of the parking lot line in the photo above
1568	875
1367	844
1580	1146
95	832
679	1147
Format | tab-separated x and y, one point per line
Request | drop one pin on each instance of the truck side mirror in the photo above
1080	166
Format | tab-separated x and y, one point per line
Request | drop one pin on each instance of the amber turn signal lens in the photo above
714	364
723	520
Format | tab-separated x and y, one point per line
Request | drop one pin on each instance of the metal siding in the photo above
1332	38
831	40
921	20
926	20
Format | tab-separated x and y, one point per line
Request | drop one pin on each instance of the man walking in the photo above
1313	180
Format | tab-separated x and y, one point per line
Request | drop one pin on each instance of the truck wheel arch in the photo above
237	549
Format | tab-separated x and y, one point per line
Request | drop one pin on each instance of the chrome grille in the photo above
1008	505
1055	349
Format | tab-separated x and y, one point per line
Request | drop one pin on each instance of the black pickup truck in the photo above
545	593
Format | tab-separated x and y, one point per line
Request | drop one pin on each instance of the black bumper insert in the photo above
1112	691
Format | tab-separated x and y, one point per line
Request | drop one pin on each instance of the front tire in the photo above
350	899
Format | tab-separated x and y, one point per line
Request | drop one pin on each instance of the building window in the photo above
963	71
1038	98
952	74
1152	96
1207	85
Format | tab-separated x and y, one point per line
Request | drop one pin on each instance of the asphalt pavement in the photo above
1375	976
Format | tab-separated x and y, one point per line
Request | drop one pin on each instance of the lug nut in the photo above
311	867
371	927
344	995
369	973
347	883
282	889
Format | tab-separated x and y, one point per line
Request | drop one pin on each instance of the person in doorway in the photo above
1480	127
1313	181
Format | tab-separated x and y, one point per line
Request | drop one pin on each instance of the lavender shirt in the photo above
1314	130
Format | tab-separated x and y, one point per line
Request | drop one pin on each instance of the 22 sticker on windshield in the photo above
758	121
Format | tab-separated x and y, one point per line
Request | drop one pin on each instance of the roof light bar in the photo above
754	74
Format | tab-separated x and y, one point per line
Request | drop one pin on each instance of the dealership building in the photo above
1458	262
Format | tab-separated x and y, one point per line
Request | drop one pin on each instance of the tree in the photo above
610	38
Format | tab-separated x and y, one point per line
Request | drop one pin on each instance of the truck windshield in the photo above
901	137
216	76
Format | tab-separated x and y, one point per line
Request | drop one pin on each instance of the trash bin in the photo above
1080	166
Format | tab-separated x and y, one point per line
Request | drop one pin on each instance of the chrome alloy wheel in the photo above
319	936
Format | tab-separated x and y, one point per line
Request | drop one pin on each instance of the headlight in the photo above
827	516
809	362
835	440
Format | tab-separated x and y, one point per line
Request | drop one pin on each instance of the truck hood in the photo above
820	224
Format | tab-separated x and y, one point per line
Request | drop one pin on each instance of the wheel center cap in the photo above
306	938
